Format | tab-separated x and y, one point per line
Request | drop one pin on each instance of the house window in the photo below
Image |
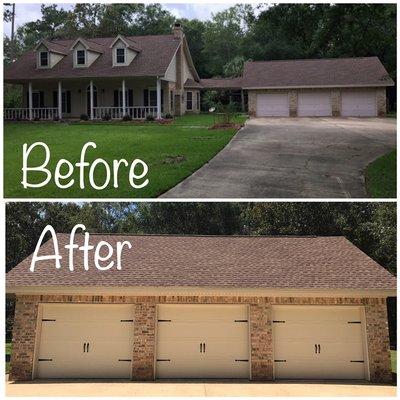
189	102
198	100
172	100
44	58
120	56
80	57
152	98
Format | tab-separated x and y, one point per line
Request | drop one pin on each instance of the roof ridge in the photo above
211	236
311	59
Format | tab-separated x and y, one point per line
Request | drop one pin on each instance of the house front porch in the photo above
94	99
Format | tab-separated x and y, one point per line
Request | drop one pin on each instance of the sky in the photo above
31	12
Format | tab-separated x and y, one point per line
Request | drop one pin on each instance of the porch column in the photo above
59	100
30	101
91	100
123	98
158	98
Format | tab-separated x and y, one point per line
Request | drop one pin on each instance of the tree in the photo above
223	36
234	67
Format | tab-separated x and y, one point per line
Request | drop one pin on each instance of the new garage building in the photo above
209	307
346	87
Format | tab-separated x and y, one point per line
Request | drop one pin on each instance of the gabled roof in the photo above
53	47
128	43
88	44
154	58
222	83
325	263
191	84
332	72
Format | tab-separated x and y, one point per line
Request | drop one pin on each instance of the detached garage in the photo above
204	307
347	87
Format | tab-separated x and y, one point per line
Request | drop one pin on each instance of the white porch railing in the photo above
137	112
47	113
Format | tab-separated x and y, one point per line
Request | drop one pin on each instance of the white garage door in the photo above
85	341
202	341
314	104
319	343
359	103
272	104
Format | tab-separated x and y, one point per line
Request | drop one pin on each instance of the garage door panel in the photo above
184	329
359	103
314	104
290	370
342	331
272	104
72	325
198	329
337	332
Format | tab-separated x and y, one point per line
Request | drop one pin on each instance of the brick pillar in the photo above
252	102
23	341
336	101
292	103
378	341
144	342
381	101
261	343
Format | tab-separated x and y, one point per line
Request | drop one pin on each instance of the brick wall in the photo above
336	101
381	101
22	359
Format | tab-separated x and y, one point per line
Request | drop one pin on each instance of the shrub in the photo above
106	117
127	117
168	116
150	118
84	117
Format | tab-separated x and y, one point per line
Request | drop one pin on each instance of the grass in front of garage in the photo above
381	176
172	152
393	354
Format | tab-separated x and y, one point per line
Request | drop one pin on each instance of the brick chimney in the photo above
177	31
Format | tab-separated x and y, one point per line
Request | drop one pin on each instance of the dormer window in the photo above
80	57
44	58
121	56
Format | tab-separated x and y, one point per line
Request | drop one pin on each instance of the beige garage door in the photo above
274	104
85	341
319	342
359	103
202	341
314	104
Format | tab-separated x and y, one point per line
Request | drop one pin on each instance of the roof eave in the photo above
319	86
192	291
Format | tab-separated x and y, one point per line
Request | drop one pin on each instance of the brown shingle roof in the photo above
153	60
191	84
221	83
365	71
215	261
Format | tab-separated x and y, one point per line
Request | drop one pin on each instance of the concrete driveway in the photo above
129	388
293	158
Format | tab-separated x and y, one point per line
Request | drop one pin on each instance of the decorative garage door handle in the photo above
317	348
86	347
202	347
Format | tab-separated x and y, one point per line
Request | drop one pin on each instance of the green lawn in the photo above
393	354
381	176
172	152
